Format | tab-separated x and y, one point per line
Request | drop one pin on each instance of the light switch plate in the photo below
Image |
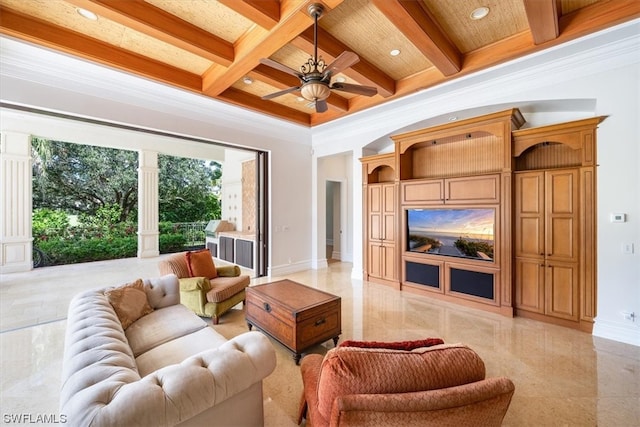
618	217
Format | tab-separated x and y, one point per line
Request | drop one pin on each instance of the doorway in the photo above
334	221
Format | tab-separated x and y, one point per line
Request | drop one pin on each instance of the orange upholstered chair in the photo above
441	385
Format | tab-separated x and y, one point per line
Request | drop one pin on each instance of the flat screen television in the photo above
463	233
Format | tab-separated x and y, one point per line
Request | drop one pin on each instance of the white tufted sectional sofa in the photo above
168	368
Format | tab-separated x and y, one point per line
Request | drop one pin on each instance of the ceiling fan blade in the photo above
344	60
278	66
357	89
321	106
282	92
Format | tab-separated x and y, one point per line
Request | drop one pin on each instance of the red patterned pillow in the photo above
201	264
398	345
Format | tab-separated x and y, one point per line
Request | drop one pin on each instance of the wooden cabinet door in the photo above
547	242
530	284
529	215
382	261
375	211
389	261
388	224
561	290
561	222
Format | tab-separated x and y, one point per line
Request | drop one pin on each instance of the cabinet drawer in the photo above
423	192
477	189
318	328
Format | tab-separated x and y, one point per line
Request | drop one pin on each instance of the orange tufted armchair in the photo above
443	385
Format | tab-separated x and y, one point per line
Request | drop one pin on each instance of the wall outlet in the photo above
627	248
629	315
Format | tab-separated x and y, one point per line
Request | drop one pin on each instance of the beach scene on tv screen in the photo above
466	233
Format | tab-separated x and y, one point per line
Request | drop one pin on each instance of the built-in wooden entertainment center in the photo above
481	213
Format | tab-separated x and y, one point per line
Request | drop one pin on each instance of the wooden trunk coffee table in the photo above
296	315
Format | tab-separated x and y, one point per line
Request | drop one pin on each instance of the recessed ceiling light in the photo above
341	79
87	14
395	52
247	80
453	118
479	13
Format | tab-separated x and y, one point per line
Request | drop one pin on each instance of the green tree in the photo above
81	179
187	189
87	180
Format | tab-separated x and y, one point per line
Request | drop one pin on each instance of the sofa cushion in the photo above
397	345
175	351
200	264
162	326
350	370
223	288
129	302
162	291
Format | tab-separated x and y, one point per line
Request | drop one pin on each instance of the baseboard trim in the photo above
617	332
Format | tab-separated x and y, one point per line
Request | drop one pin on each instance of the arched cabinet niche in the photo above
380	228
555	251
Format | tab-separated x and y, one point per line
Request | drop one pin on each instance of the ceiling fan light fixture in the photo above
479	13
87	14
315	91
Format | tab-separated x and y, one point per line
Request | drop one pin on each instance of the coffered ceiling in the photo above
214	47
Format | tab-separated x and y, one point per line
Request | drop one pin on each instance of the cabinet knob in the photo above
266	307
548	254
541	253
320	322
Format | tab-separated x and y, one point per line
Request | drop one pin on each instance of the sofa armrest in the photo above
486	400
179	392
190	284
228	271
310	369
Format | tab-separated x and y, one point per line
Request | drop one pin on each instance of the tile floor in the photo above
563	377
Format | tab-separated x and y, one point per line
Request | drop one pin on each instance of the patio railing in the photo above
193	232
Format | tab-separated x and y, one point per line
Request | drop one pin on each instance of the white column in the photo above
356	187
148	233
15	202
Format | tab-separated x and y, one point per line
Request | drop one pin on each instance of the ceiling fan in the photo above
315	75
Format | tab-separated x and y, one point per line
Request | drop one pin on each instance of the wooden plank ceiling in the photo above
214	47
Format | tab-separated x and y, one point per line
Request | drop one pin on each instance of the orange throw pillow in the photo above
201	264
129	302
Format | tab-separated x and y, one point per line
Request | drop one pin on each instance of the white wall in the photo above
599	75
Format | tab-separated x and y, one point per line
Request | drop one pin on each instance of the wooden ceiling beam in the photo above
155	22
362	72
259	43
33	30
255	103
417	24
583	21
265	13
282	80
543	19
